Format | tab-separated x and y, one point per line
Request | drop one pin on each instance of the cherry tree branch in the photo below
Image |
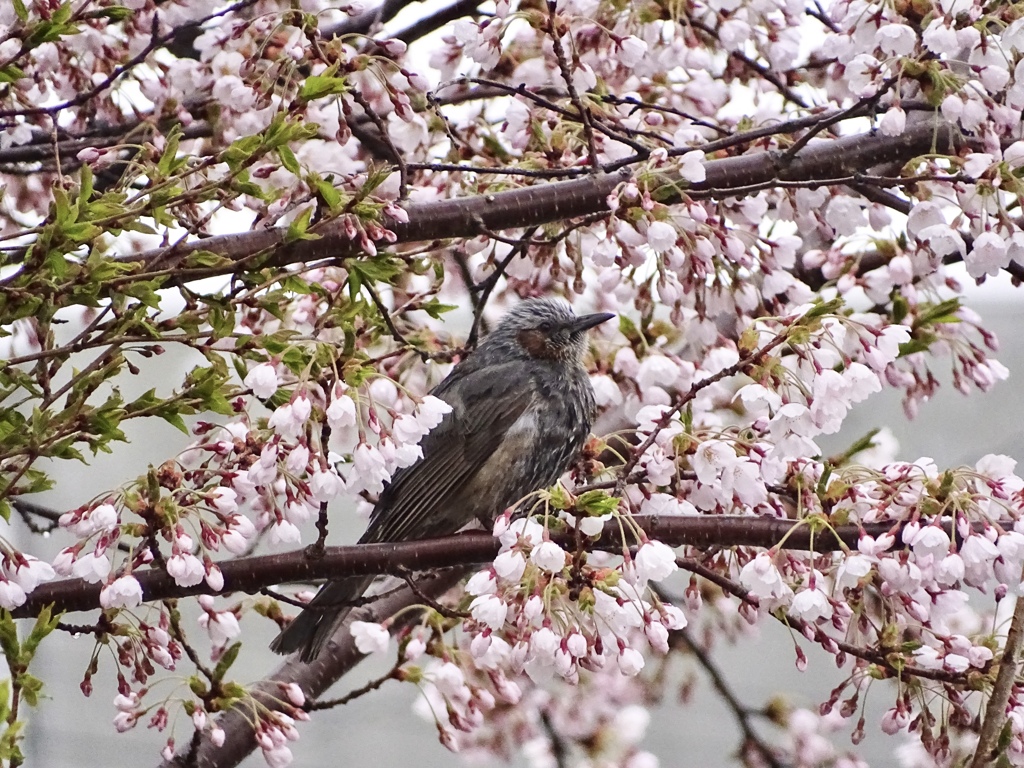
156	42
811	630
313	678
251	574
545	203
995	710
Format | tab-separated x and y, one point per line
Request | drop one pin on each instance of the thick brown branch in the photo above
995	710
314	678
545	203
250	574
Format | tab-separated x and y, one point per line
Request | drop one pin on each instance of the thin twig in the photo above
373	685
407	576
396	156
574	97
760	69
837	117
559	749
178	634
750	736
385	315
821	15
27	510
488	286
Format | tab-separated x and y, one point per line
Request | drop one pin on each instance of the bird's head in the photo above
547	329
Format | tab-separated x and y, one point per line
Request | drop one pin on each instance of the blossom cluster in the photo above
754	318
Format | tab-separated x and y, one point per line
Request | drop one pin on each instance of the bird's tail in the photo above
310	630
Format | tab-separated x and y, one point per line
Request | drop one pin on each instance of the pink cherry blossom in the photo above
370	637
430	411
548	556
655	561
341	412
262	380
124	592
186	569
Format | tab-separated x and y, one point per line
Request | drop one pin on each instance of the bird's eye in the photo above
545	327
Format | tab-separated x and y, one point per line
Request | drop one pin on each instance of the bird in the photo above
521	409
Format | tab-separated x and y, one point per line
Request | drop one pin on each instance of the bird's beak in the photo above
586	322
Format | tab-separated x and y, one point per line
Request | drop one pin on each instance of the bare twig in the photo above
867	101
751	738
487	287
408	577
563	66
372	685
385	315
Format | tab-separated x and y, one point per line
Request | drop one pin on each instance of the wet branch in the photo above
252	574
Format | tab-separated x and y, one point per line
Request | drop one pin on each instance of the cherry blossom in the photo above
262	380
124	592
369	637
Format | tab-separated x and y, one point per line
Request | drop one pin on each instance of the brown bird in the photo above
522	408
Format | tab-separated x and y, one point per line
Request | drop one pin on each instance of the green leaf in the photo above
175	420
169	161
596	503
559	497
114	13
241	151
297	230
85	183
938	314
435	308
51	30
900	308
22	13
30	688
822	309
222	319
62	14
226	661
628	328
9	637
319	86
11	73
288	159
276	343
295	284
206	259
379	268
327	191
861	444
63	211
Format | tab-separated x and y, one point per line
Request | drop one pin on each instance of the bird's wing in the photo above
485	403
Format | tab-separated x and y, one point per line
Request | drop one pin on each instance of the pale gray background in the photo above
380	729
